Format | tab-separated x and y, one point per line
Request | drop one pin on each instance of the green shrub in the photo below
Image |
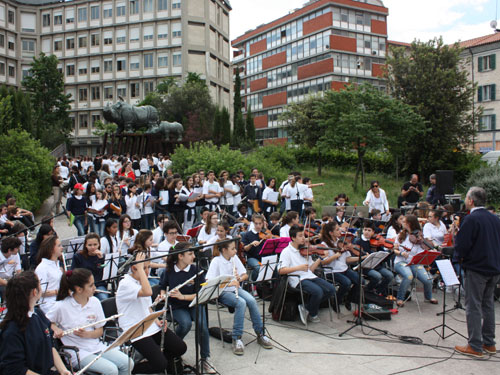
283	155
207	156
487	177
25	169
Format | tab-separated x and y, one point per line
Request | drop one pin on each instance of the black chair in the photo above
111	328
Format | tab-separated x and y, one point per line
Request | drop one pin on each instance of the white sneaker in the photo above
315	319
238	347
208	366
303	314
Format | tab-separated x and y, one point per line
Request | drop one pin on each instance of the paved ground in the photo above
320	350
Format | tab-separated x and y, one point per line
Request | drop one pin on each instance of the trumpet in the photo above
161	298
70	331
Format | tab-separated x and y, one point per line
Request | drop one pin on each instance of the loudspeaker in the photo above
444	182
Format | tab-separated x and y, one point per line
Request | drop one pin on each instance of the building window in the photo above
176	4
70	70
46	20
11	17
95	118
95	39
95	68
108	13
176	34
121	64
120	37
2	68
95	12
70	18
148	6
162	5
177	59
486	93
28	45
58	19
58	45
108	66
487	123
108	92
148	87
162	61
485	63
82	14
148	37
83	120
95	92
148	60
82	42
82	95
12	71
121	10
11	45
82	71
121	91
70	43
108	40
2	40
134	7
134	90
134	63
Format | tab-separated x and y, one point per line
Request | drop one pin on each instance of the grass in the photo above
341	181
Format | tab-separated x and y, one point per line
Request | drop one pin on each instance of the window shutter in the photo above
493	91
493	122
493	61
480	94
480	64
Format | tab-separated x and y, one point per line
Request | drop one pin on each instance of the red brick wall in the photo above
274	60
338	85
343	43
260	122
377	70
379	27
315	69
258	84
274	99
317	23
259	46
275	141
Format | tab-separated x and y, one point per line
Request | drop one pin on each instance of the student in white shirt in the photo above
293	196
434	229
10	262
212	191
208	230
290	219
97	212
237	191
109	242
190	211
125	235
133	299
48	271
147	209
302	269
133	206
77	307
170	232
158	235
268	193
225	262
221	234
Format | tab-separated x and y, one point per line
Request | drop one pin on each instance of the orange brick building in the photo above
321	46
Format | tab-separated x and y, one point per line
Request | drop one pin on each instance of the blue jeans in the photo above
379	279
318	290
345	280
254	266
101	296
408	273
184	318
240	304
113	362
97	226
147	221
79	223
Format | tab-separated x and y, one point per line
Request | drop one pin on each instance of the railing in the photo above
59	151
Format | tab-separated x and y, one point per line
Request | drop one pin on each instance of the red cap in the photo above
79	187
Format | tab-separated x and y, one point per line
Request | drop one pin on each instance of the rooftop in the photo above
487	39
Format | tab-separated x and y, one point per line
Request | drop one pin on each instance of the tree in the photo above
6	117
431	77
239	126
226	127
250	126
45	83
217	127
102	129
20	112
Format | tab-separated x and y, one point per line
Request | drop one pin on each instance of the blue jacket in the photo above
478	243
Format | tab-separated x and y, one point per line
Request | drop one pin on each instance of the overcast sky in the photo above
408	19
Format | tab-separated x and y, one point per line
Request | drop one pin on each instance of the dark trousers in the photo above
480	309
157	361
319	290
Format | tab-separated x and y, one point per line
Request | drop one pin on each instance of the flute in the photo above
161	298
235	273
70	331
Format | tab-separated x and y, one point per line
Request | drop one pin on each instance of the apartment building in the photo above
321	46
480	61
116	48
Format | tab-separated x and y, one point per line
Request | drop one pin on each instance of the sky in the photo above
454	20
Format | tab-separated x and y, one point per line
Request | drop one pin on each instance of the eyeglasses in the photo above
172	233
375	185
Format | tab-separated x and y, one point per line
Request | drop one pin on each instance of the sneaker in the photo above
254	291
315	319
303	314
467	350
490	349
264	341
238	347
208	367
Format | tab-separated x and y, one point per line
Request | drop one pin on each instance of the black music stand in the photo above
371	262
448	251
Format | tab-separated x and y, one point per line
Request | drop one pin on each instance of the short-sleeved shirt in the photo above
435	233
9	266
214	187
49	273
290	257
413	196
221	266
70	314
133	307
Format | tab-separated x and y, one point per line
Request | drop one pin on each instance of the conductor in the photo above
477	246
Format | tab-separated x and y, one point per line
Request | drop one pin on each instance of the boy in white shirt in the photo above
212	191
302	269
10	262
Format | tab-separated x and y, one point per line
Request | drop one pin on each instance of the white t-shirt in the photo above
221	266
49	273
236	197
70	314
63	172
146	201
105	249
435	233
133	307
98	205
290	257
339	264
291	193
214	187
285	231
163	249
414	250
203	236
228	196
158	234
9	266
122	245
144	166
132	210
265	196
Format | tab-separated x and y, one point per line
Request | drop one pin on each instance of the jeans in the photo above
101	296
79	223
147	221
345	280
379	279
254	266
97	226
408	273
480	309
113	362
245	299
318	290
184	318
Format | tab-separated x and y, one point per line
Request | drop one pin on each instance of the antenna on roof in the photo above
493	25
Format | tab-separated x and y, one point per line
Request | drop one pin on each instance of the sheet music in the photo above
111	261
183	197
164	197
267	268
373	260
273	196
447	272
209	290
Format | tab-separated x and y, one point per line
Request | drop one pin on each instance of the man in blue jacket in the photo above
477	246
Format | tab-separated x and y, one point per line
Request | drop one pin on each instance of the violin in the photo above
381	241
316	249
266	234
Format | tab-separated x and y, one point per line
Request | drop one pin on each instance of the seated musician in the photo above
180	268
242	213
274	223
341	200
252	245
409	244
376	216
290	219
310	219
434	229
301	270
340	216
11	262
380	277
337	262
76	307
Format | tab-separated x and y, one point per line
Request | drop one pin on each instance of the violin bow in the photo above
350	221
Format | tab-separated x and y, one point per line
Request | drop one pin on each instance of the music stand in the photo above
370	262
449	278
449	251
274	246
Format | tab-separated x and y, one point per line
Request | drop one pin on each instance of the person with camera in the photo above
411	192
